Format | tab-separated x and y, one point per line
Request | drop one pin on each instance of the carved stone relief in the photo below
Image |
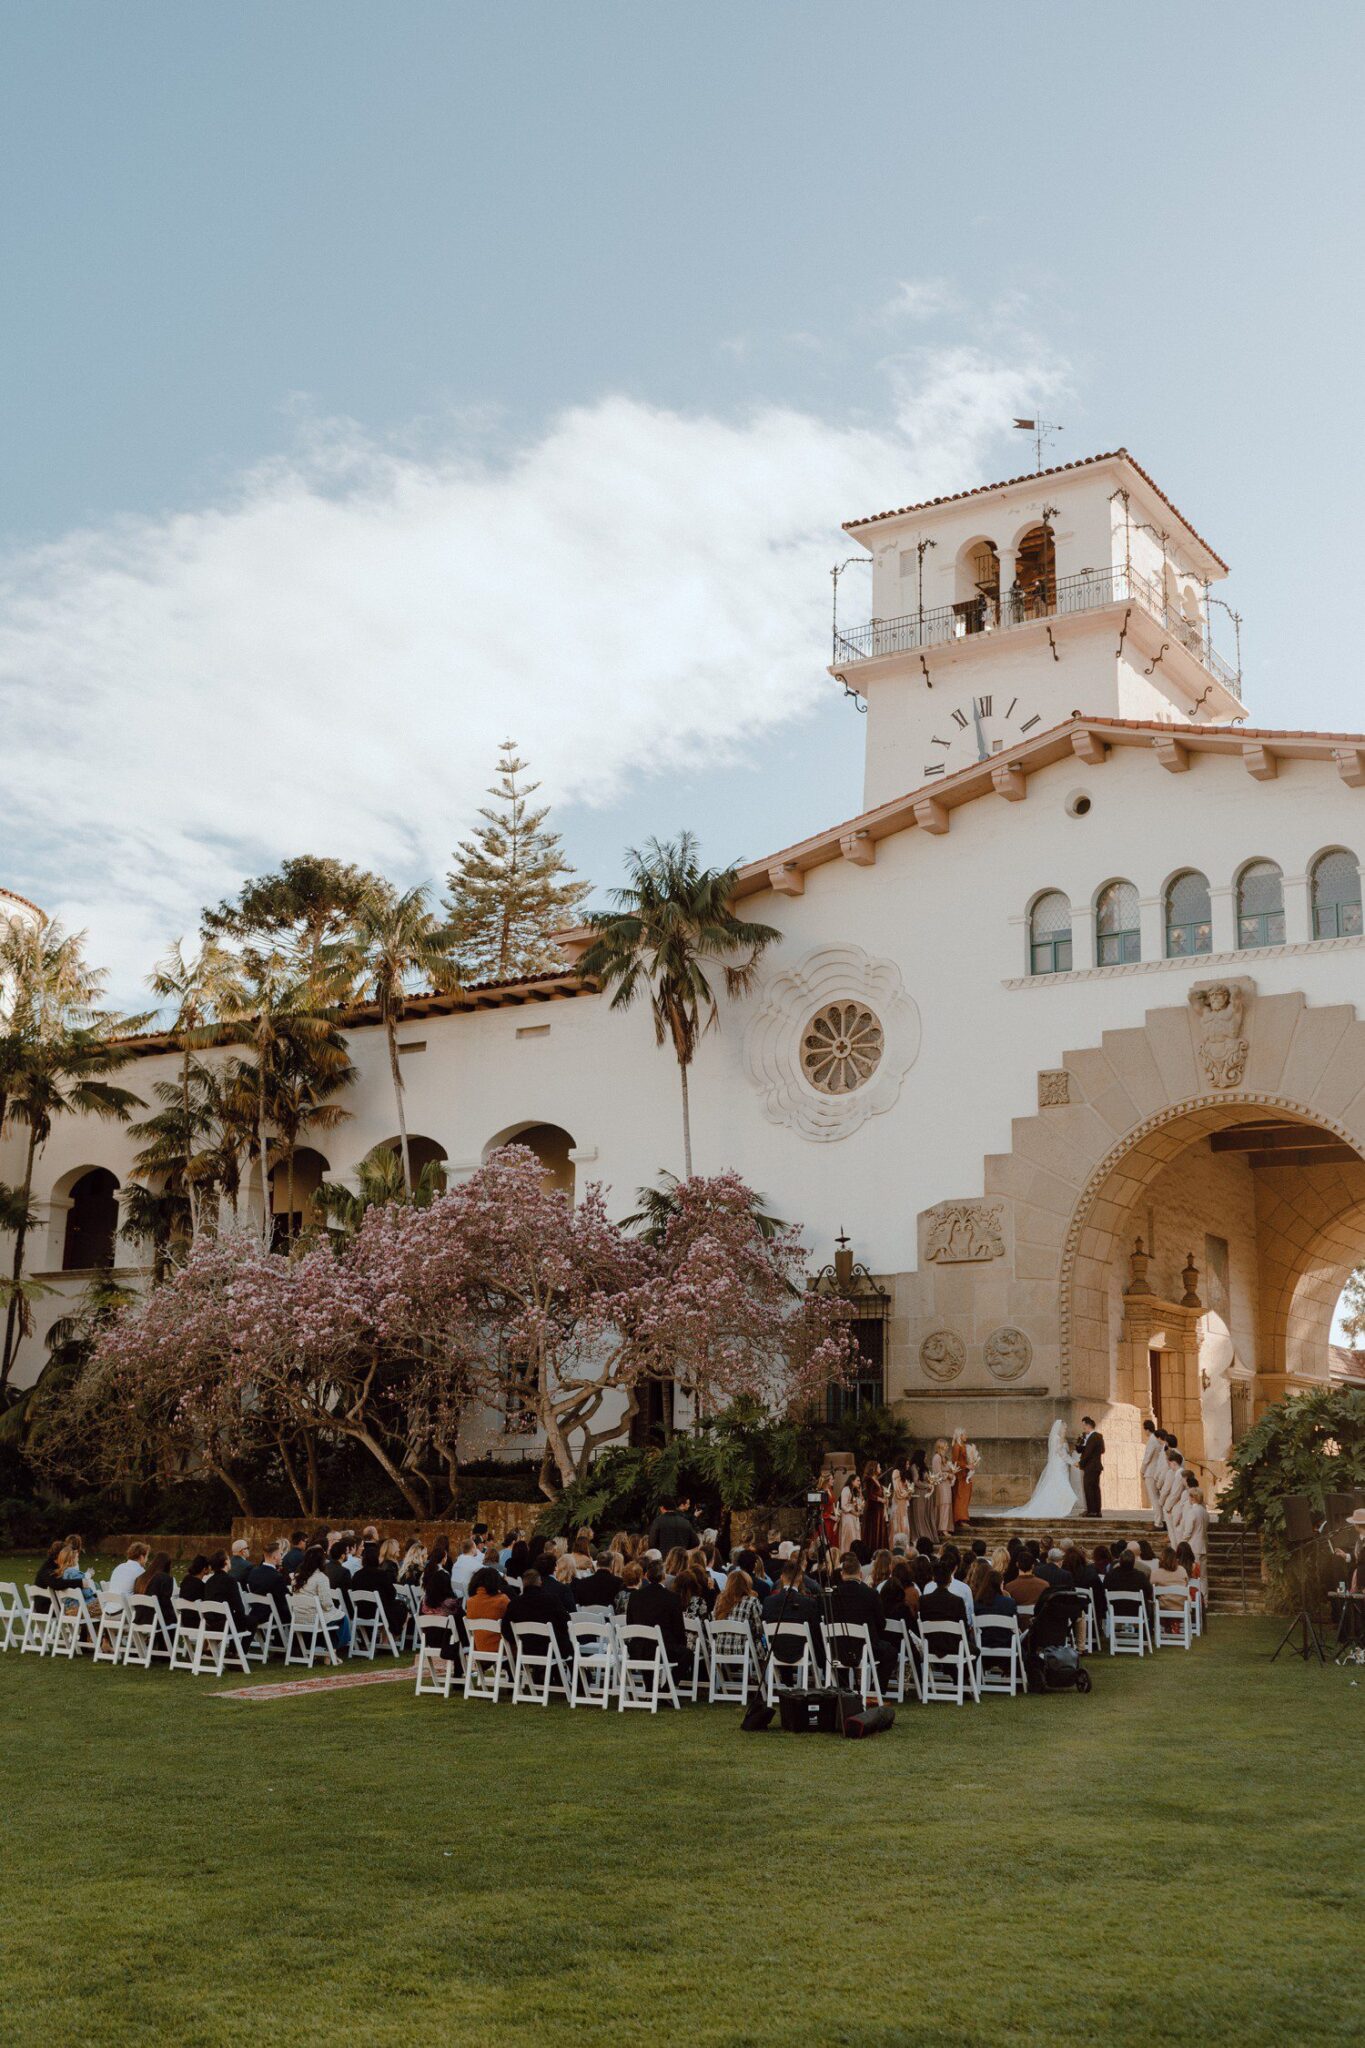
830	1041
964	1233
1008	1354
942	1355
1218	1008
1054	1088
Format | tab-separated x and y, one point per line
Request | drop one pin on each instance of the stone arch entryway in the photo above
1238	1121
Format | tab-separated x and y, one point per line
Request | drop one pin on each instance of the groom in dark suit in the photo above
1090	1451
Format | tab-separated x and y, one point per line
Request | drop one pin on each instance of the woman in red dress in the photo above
962	1480
874	1508
829	1503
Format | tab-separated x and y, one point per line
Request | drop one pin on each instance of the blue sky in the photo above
380	379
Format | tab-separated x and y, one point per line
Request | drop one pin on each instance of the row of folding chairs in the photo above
1177	1617
202	1637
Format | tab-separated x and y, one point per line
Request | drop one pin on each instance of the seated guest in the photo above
899	1595
124	1577
468	1561
414	1563
157	1584
1126	1576
508	1545
977	1572
488	1601
854	1601
293	1556
1146	1556
600	1587
536	1603
1184	1554
1027	1587
632	1576
992	1598
1084	1573
789	1601
957	1584
390	1554
738	1602
46	1575
71	1577
880	1568
675	1562
338	1571
652	1604
192	1585
268	1581
239	1560
749	1562
517	1558
943	1602
922	1572
372	1578
316	1598
221	1587
695	1592
1047	1562
437	1594
563	1581
1169	1579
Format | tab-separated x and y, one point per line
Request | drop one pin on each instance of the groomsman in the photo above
1175	1488
1153	1456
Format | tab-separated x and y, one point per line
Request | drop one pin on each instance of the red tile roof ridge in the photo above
15	897
1036	476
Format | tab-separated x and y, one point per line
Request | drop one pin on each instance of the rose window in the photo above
841	1047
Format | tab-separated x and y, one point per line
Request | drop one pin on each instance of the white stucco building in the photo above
1084	971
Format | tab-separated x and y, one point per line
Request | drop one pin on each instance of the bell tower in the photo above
1002	611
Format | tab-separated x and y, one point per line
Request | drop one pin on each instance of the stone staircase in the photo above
1235	1585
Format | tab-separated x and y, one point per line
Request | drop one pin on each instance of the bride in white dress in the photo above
1057	1494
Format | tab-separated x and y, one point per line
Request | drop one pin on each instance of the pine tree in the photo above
511	888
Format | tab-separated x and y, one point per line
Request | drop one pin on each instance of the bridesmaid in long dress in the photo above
828	1505
899	1516
874	1507
850	1514
941	1472
962	1480
923	1521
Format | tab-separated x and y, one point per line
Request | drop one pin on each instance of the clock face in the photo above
974	730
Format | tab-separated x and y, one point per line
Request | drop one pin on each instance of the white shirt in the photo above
964	1594
351	1564
462	1571
124	1577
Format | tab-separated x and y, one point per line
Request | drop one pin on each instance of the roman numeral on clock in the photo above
1030	722
935	768
960	718
983	705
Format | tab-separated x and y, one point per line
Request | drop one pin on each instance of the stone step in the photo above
1235	1584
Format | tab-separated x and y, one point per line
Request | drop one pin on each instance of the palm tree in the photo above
58	1046
673	921
201	988
396	943
379	1180
276	1015
300	1098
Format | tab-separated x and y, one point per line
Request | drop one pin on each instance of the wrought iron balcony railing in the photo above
1087	591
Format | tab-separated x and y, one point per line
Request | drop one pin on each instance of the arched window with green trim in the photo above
1118	937
1050	934
1260	904
1336	895
1189	915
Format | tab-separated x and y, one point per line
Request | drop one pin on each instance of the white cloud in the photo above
921	298
327	660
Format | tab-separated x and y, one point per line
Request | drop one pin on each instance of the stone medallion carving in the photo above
1054	1088
942	1355
1008	1354
963	1233
1218	1008
831	1040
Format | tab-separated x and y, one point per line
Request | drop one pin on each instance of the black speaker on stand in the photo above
1305	1531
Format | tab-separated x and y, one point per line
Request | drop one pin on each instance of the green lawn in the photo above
1176	1858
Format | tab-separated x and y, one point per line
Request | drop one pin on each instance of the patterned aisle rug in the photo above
332	1681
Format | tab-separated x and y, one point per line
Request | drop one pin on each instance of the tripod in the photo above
814	1548
1309	1643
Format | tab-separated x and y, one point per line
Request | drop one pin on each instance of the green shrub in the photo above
1312	1444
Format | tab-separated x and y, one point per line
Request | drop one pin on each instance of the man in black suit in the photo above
673	1526
790	1601
293	1556
220	1586
598	1588
533	1603
267	1581
1090	1450
1125	1577
655	1605
938	1604
854	1600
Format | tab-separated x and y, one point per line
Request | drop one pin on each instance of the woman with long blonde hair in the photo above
941	1472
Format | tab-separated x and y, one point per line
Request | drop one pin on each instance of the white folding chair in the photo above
733	1664
1130	1632
487	1666
186	1635
39	1622
435	1669
270	1632
13	1613
75	1625
1197	1606
699	1671
370	1627
592	1671
111	1627
148	1635
1090	1634
849	1660
217	1640
1174	1626
1000	1661
908	1660
310	1632
644	1675
538	1665
792	1663
949	1667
